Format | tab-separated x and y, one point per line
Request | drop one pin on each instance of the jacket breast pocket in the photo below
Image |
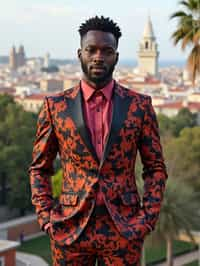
130	198
69	199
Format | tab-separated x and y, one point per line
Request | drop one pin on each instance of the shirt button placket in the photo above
99	123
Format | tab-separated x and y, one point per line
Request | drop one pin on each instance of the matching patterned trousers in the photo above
100	241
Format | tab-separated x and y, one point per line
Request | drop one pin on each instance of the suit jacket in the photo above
61	129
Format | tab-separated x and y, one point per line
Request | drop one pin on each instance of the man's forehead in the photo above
99	37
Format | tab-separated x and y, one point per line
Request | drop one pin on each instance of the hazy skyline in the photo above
52	26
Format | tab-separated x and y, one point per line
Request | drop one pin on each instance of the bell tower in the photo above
148	51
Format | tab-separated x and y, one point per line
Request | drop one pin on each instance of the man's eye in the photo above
109	51
90	50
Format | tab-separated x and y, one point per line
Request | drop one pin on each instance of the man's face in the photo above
98	56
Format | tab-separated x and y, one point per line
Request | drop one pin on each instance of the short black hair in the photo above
101	24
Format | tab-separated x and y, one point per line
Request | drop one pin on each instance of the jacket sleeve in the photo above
154	171
41	169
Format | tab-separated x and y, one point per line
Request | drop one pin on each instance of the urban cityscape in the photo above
26	80
29	80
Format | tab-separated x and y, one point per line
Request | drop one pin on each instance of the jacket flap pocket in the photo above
69	199
130	198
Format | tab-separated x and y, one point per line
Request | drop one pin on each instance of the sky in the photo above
52	25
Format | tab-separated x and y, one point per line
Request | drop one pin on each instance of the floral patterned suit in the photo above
61	129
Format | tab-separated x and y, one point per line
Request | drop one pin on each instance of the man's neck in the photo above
97	86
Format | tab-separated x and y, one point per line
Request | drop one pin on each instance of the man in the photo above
97	128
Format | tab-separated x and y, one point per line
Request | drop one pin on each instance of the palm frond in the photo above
177	36
185	3
178	14
191	5
186	21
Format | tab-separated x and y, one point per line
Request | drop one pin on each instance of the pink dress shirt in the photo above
97	110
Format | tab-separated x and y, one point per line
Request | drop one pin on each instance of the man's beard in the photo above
97	79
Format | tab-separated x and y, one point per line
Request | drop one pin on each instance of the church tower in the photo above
148	51
17	58
13	58
21	56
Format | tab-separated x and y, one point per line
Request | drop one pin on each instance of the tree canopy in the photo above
17	131
172	126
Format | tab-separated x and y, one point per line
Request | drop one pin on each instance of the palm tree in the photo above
188	32
179	213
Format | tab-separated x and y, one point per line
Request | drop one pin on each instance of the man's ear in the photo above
79	53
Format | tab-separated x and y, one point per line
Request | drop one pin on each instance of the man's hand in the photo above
47	229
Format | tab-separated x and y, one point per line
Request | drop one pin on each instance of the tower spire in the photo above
148	30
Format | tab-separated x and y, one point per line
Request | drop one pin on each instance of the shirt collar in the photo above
88	90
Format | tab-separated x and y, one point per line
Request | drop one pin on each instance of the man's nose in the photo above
99	57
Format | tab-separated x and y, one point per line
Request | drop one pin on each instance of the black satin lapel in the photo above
76	113
120	110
